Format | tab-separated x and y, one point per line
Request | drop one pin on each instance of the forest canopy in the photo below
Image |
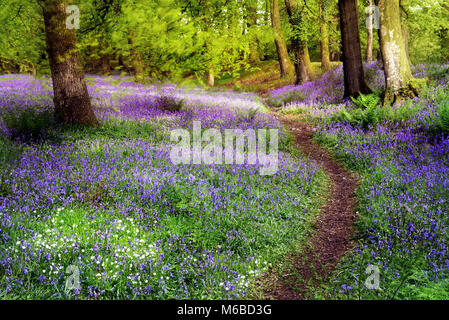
174	39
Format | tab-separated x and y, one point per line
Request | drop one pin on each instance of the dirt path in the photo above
331	237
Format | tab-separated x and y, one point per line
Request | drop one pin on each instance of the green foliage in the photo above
368	112
366	101
22	43
374	115
164	39
10	151
443	112
28	123
428	31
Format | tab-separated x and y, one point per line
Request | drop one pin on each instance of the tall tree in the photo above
324	43
303	70
250	8
398	75
369	42
354	76
71	99
136	58
279	40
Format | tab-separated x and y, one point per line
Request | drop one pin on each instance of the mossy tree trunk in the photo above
303	70
406	36
354	76
307	60
398	75
251	22
105	64
207	26
210	81
285	64
369	42
71	98
324	43
137	63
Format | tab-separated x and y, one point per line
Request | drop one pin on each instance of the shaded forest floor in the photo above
265	77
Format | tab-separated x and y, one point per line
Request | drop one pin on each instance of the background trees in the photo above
208	40
22	40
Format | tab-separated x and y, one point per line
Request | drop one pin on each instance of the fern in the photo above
366	101
443	112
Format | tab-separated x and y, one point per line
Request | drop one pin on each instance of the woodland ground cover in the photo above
403	160
109	202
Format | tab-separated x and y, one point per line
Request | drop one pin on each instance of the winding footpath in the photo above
330	238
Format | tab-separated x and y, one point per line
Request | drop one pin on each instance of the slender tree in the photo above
136	58
250	8
71	99
302	64
279	40
208	25
398	75
369	43
324	43
354	76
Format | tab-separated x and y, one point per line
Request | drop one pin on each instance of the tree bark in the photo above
136	62
254	47
354	77
210	78
279	40
303	70
71	98
406	35
307	59
105	64
369	43
398	75
324	44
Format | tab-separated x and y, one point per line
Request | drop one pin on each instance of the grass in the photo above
286	264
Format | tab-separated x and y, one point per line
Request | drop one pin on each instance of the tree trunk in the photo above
138	66
210	78
335	53
71	98
398	76
281	47
105	64
369	43
302	63
266	16
406	35
307	60
254	46
136	57
354	76
325	62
